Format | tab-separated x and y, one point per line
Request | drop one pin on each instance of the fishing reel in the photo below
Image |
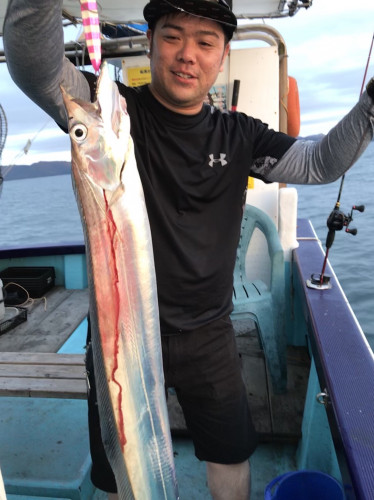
335	222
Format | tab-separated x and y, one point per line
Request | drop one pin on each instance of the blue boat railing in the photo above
38	250
344	364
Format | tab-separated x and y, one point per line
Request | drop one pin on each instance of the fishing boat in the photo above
307	365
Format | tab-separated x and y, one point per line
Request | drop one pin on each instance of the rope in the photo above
29	300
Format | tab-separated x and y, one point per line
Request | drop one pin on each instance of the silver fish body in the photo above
123	299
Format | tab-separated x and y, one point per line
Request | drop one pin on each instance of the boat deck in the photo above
50	322
39	453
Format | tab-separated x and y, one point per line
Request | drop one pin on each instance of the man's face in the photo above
187	53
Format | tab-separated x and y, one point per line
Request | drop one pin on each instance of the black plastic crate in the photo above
17	319
36	280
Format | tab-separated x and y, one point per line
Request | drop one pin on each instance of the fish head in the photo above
99	133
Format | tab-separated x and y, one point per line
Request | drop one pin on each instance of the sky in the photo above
328	47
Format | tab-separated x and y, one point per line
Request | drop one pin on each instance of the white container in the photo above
2	306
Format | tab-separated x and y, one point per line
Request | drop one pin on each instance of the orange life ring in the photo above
293	108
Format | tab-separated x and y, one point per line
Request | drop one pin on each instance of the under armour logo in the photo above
220	160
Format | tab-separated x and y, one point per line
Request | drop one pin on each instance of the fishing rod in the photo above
235	95
337	219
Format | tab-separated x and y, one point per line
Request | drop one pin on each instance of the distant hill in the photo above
39	169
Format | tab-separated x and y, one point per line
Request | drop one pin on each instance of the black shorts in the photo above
204	368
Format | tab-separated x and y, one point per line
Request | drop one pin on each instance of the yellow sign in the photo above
138	75
251	183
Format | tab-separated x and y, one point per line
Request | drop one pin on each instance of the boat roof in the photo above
127	11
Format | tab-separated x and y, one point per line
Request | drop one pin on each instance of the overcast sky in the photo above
328	47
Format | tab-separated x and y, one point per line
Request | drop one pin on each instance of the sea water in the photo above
39	210
44	210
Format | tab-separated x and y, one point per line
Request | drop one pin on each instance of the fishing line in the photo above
337	219
24	151
367	65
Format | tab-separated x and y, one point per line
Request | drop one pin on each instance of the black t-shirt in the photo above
194	171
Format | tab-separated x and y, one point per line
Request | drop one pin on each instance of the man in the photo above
194	209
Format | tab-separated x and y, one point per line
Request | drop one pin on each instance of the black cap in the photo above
215	10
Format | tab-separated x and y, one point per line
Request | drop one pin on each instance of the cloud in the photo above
27	122
328	47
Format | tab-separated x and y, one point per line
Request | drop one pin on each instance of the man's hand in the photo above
370	88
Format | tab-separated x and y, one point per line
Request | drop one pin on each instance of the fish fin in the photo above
100	199
114	196
111	197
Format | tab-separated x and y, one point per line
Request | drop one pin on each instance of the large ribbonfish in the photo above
123	302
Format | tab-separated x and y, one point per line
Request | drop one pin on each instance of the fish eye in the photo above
79	132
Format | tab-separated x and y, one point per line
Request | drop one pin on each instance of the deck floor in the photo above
49	323
50	329
268	461
20	438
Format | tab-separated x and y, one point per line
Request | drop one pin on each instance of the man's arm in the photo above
34	49
310	162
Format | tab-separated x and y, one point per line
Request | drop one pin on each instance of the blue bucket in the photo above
304	485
